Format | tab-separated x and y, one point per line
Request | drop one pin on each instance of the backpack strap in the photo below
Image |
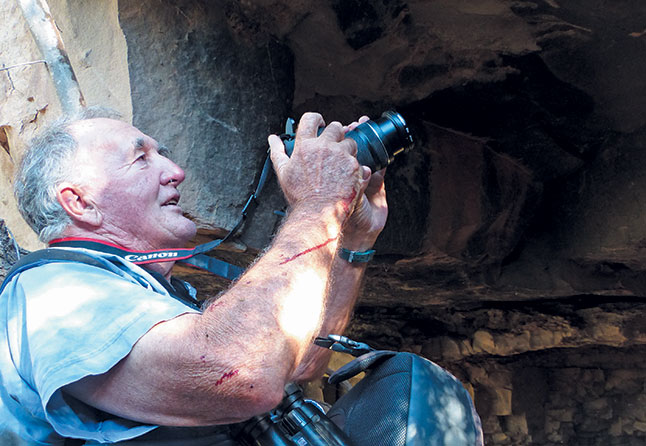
50	255
54	255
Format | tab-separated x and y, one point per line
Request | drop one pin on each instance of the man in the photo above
105	354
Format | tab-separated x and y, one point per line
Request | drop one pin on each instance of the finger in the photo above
308	126
277	152
376	182
365	179
363	184
350	146
355	124
333	132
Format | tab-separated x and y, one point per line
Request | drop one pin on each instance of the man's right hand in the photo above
322	170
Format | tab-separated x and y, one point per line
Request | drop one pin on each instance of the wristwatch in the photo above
356	256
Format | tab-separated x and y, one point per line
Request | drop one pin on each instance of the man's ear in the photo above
78	205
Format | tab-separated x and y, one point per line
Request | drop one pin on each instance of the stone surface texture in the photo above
515	251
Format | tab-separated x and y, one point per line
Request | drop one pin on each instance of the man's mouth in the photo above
172	202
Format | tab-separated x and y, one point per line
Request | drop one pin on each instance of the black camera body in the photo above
378	141
295	422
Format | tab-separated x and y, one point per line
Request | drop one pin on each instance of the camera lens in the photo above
378	141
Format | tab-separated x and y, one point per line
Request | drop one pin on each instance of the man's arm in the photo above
232	361
359	234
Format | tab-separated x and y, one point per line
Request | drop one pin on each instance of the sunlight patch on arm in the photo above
303	306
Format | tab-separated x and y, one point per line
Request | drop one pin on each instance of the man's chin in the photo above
180	234
189	231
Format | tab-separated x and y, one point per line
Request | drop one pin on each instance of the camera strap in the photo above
189	256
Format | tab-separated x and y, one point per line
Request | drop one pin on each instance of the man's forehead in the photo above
102	132
91	125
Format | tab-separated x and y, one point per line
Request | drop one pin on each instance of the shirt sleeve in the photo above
77	321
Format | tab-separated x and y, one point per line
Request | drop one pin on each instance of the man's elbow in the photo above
258	397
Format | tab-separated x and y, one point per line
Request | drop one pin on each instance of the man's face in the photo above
131	184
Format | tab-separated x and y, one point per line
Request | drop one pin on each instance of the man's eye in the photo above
141	157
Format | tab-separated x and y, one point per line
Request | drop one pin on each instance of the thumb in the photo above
363	185
365	179
277	152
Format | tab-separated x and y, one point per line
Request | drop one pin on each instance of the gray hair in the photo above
43	167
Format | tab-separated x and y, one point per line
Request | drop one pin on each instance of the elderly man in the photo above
105	354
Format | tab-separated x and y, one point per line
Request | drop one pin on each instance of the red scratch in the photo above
308	251
347	201
226	376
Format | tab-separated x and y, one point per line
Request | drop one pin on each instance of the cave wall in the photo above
514	250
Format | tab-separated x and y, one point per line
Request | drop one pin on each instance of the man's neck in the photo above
163	268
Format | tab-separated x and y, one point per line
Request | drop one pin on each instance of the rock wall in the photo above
97	50
514	249
219	91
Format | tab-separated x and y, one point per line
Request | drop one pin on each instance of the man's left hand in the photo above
371	210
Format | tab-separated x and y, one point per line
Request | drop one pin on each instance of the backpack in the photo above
404	400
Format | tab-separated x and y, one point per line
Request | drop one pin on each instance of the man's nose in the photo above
172	173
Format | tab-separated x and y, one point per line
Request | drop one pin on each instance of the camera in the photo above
378	141
294	422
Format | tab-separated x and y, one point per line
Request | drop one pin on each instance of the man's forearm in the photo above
344	289
280	303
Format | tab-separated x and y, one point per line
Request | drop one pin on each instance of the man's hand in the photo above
371	210
368	217
322	170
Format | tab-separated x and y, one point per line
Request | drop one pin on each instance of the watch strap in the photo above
356	256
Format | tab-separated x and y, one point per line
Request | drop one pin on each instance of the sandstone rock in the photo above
509	344
502	402
450	349
608	333
483	341
541	339
432	349
466	349
516	425
616	429
560	415
10	252
624	381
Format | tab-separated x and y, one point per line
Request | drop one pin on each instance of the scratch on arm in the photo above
226	376
307	251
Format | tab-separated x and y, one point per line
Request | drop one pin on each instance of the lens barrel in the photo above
378	141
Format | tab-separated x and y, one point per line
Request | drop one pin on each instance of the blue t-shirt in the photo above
61	322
